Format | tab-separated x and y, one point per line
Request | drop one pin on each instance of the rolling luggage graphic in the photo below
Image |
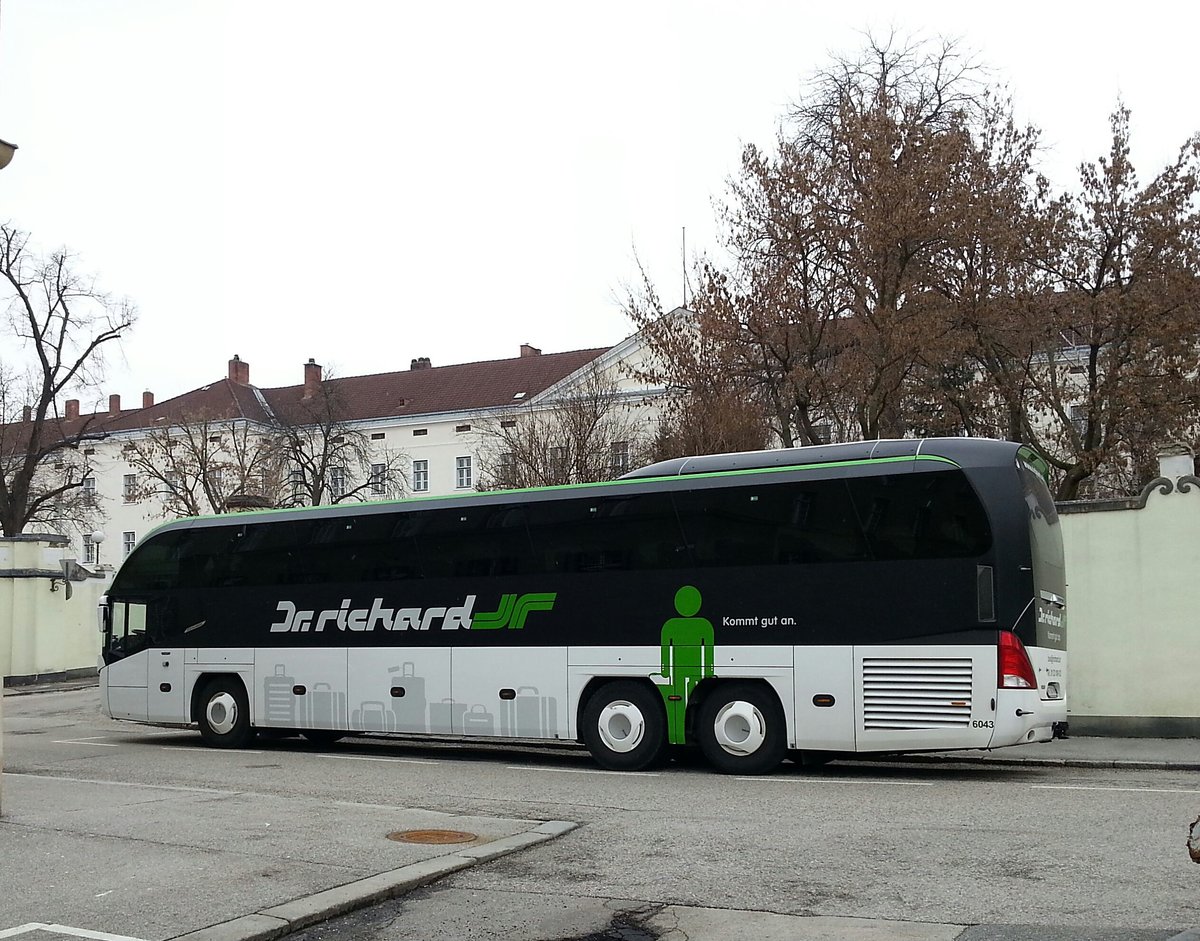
279	702
529	715
478	721
409	709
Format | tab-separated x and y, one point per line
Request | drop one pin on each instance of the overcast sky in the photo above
367	182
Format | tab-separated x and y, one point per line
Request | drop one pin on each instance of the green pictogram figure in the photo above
687	658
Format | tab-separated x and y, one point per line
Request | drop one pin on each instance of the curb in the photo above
1119	764
279	920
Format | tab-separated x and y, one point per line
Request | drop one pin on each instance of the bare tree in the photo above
1111	366
62	324
195	465
327	459
591	432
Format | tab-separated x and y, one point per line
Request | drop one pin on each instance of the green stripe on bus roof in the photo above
560	488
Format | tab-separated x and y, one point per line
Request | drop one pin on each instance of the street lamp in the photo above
98	537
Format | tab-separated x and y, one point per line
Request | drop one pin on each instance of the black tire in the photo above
741	728
224	713
323	738
625	726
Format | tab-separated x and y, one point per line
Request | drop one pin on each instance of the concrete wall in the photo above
1133	602
43	633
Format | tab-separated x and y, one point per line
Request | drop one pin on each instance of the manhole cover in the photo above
432	836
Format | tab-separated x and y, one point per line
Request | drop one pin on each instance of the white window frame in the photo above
463	473
379	480
420	472
337	482
619	456
128	541
129	488
91	550
88	486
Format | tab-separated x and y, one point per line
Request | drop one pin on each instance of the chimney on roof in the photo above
527	350
239	372
114	405
147	399
312	378
27	413
72	409
421	362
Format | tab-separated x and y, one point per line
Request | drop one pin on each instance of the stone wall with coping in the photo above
44	634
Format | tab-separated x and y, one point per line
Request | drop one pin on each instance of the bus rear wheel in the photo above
741	729
625	726
224	713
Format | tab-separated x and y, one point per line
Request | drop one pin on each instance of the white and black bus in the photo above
882	596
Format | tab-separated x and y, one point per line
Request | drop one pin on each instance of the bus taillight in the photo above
1015	670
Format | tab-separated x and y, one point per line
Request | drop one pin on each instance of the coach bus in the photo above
881	596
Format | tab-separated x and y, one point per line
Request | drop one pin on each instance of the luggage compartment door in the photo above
510	692
399	689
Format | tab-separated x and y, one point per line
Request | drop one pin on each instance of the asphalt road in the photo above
1075	852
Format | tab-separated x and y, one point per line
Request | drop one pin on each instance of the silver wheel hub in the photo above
622	726
221	713
740	728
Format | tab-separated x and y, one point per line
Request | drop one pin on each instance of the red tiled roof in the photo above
489	384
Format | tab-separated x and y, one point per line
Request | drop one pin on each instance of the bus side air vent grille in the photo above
925	693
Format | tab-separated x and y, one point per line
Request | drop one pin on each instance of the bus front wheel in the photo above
625	726
224	713
741	729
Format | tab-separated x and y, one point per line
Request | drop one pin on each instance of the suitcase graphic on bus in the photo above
327	708
478	721
409	709
374	717
279	702
446	716
529	715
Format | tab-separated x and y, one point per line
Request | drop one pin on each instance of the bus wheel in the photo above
625	727
225	714
741	729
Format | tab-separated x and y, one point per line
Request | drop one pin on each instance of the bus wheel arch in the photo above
221	707
741	727
623	723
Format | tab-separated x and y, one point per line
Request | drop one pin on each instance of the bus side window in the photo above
638	532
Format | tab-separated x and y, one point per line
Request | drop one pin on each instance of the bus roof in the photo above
965	452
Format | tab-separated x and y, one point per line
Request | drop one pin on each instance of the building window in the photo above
459	429
558	464
506	467
128	541
129	490
420	476
171	479
418	432
620	456
379	480
462	473
509	423
377	436
337	482
90	554
89	491
296	484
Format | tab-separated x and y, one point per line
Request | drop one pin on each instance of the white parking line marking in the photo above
212	751
640	774
72	741
1086	787
67	930
407	761
835	781
151	787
